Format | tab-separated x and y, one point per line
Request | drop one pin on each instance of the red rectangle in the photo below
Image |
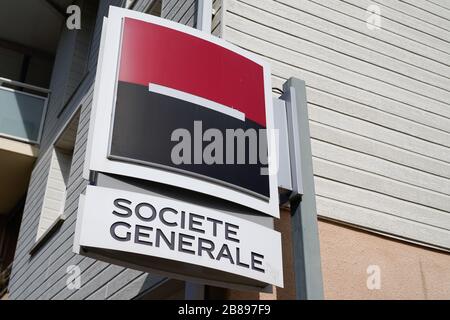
154	54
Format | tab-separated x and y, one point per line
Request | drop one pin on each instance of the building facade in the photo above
377	77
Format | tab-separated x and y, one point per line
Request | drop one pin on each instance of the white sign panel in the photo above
154	82
147	225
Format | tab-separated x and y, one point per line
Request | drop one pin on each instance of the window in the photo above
58	180
155	8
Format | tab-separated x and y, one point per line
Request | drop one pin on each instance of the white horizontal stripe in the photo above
196	100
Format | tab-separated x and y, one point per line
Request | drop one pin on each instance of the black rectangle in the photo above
143	125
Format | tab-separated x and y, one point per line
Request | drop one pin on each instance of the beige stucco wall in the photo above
406	271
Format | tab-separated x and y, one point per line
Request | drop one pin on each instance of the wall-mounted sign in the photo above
180	107
178	233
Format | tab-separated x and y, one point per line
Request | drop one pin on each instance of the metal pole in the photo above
204	15
305	235
194	291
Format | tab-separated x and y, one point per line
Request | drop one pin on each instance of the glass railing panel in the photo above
21	114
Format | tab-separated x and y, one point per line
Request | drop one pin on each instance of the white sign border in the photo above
88	226
102	113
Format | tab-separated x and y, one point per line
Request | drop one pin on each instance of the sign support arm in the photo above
305	235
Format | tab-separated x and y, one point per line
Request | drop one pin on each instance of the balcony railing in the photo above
22	110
